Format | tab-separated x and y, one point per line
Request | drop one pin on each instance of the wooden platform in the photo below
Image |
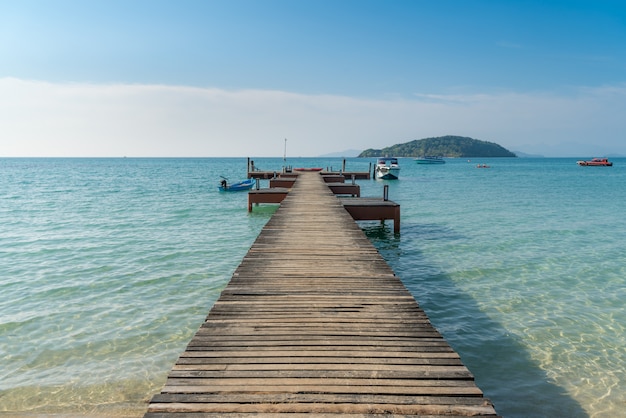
345	189
315	323
373	209
286	182
271	195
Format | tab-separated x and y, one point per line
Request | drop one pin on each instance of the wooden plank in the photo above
296	410
315	322
311	398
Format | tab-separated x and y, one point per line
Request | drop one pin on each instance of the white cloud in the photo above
46	119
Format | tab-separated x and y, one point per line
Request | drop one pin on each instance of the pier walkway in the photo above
315	323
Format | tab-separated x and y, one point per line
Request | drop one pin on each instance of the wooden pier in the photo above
315	323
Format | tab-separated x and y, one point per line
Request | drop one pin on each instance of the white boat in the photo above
428	159
387	168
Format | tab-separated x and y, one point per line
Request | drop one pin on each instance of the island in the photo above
445	146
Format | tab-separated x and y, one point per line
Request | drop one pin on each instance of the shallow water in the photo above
108	267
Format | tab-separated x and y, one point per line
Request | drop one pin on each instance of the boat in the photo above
482	166
600	162
430	159
308	169
387	168
235	187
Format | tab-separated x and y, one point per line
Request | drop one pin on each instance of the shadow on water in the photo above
502	366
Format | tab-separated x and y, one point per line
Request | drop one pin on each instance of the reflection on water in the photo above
508	373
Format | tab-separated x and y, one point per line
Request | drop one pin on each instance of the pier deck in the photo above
315	322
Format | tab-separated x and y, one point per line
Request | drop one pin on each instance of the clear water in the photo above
108	267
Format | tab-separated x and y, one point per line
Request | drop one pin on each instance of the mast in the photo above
285	157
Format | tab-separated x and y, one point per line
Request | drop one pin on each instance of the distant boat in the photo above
235	187
387	168
429	159
599	162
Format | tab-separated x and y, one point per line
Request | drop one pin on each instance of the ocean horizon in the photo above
108	266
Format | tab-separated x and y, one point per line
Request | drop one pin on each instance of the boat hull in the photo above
595	162
387	168
238	187
387	173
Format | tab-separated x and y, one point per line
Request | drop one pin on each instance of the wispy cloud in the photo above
47	119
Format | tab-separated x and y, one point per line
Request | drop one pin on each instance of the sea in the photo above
108	266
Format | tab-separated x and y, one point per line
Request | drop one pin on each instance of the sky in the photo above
235	78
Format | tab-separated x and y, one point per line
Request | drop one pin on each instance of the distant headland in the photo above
445	146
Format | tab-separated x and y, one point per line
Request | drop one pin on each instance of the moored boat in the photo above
307	169
235	187
599	162
430	159
387	168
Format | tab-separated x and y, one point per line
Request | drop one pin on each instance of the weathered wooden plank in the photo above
217	324
290	387
417	372
426	358
272	345
346	355
324	383
353	367
308	414
322	398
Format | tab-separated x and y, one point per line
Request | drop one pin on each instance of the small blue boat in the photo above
235	187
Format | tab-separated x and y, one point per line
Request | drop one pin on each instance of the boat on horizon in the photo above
596	162
430	159
387	168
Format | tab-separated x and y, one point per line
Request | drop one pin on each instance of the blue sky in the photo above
236	77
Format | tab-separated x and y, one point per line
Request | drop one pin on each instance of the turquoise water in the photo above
108	267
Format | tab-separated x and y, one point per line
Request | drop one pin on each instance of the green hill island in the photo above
446	146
